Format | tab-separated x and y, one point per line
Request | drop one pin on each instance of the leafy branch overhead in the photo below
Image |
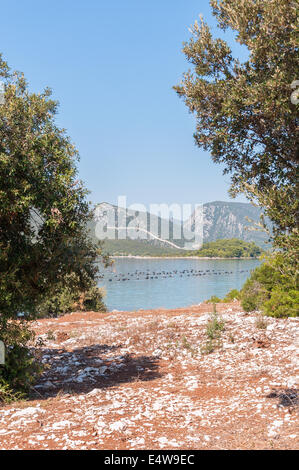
244	114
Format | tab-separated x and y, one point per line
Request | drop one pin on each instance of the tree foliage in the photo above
21	367
43	208
43	215
244	114
66	299
272	288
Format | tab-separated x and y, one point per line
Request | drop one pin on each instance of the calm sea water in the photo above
133	284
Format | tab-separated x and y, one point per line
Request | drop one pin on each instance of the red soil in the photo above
141	380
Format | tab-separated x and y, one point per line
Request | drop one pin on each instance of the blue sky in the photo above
112	65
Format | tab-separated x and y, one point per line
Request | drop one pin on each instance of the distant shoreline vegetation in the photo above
219	249
230	248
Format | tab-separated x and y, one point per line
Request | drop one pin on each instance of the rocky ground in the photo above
154	380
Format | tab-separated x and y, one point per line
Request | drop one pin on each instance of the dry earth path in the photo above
144	380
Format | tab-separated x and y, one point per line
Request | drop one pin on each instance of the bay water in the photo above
148	283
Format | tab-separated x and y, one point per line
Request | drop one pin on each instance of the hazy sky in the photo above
112	65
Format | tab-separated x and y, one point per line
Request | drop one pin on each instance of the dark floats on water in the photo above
133	284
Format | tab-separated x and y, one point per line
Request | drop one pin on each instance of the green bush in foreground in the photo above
214	300
272	288
232	295
229	248
21	368
66	299
214	328
282	304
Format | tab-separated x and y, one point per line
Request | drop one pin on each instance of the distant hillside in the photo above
226	248
141	233
224	220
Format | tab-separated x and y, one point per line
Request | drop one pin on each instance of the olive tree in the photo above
246	111
44	241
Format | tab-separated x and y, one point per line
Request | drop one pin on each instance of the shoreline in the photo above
182	257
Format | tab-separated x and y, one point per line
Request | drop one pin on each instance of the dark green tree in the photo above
43	207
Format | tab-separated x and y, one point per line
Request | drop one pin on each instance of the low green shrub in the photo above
272	288
7	395
214	300
214	327
93	300
282	304
233	294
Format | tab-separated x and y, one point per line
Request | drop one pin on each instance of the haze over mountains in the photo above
134	232
231	220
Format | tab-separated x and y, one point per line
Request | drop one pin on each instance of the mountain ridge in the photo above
220	219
